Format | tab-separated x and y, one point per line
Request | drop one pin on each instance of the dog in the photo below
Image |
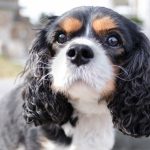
88	71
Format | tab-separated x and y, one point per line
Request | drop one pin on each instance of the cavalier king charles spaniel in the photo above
88	71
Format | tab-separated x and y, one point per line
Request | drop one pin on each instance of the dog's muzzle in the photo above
80	54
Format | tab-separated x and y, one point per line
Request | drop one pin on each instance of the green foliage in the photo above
136	20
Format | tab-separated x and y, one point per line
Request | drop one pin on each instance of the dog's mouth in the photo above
80	76
77	76
80	82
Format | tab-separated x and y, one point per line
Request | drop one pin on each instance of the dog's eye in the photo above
113	41
61	38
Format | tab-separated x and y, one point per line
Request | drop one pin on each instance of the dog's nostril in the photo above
87	54
71	53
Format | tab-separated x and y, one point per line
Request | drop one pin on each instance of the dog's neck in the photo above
94	128
86	100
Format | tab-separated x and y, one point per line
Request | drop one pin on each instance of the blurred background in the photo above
18	18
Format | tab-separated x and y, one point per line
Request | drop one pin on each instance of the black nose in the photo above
80	54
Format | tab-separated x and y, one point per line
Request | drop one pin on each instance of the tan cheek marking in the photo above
70	25
120	51
103	24
110	87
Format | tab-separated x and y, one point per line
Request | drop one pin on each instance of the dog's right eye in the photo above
61	38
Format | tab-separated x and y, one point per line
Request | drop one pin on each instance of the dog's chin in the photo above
70	83
80	89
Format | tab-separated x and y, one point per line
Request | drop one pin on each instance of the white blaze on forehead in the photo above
96	74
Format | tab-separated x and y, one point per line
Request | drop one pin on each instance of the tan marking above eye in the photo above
71	25
103	24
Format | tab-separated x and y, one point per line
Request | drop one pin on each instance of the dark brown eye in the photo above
113	41
61	38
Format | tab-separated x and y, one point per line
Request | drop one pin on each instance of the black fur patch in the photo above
56	133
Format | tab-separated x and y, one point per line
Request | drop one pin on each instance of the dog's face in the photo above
88	44
93	51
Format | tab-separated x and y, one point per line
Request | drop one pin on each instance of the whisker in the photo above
121	78
123	69
125	79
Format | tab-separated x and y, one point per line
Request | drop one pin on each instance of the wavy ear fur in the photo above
41	104
130	106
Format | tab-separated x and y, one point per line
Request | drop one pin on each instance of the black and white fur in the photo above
68	101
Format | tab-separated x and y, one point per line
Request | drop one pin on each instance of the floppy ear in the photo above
41	104
130	106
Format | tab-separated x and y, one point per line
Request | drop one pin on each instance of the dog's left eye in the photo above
113	41
61	38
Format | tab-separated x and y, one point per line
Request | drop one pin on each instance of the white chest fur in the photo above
93	132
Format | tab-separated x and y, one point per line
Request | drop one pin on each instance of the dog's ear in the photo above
130	106
41	104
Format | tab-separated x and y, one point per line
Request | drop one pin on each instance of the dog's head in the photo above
90	50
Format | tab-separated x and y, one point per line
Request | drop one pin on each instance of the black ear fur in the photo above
41	104
130	106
